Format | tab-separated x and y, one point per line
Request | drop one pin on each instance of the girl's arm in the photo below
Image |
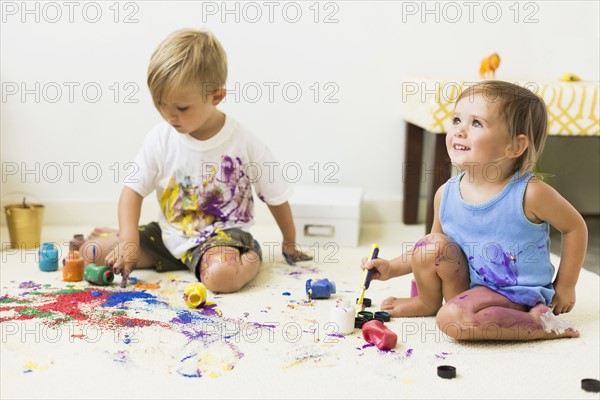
402	265
544	203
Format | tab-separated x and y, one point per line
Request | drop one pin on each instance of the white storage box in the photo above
325	215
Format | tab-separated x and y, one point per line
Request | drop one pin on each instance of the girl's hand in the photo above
380	267
123	258
563	300
292	255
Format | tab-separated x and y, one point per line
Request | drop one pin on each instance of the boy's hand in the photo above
380	267
123	258
563	300
292	255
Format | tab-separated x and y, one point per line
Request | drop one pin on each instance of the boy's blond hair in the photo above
187	58
523	112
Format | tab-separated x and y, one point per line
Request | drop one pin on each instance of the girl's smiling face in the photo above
478	135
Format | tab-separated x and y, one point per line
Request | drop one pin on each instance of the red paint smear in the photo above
69	305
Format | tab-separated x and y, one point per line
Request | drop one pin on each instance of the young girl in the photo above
488	250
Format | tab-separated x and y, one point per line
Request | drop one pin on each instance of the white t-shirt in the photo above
202	185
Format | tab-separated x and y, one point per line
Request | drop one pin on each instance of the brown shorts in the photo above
151	242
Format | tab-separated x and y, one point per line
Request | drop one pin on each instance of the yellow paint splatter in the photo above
30	365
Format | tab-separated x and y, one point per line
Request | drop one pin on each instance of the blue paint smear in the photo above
286	294
118	299
96	294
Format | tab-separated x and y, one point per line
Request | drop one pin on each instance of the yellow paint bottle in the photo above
194	294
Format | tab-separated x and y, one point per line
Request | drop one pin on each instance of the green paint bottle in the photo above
98	274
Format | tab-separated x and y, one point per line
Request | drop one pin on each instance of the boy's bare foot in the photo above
408	307
553	327
103	232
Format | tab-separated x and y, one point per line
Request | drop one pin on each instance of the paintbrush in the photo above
367	276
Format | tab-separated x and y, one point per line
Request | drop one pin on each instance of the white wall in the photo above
360	58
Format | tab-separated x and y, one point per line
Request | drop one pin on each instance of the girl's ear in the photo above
218	96
518	147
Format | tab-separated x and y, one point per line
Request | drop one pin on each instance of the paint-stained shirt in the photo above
206	185
505	251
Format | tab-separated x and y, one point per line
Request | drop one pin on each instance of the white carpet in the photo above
264	343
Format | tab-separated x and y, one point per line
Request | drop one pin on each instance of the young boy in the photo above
202	165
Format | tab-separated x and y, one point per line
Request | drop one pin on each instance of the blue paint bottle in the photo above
48	257
320	289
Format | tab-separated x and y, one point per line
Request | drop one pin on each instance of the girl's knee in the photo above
434	248
451	319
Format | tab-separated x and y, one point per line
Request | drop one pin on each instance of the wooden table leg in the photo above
441	173
413	157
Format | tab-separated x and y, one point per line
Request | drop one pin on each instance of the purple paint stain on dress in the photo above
368	345
408	352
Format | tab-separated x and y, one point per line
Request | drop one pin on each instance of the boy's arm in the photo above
128	254
544	203
283	216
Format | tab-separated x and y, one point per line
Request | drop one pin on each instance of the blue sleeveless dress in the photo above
505	251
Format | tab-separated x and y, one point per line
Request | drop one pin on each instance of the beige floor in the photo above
267	341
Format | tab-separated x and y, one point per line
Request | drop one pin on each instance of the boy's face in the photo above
189	112
478	135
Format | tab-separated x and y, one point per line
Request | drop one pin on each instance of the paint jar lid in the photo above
359	322
446	371
368	315
382	315
366	302
590	385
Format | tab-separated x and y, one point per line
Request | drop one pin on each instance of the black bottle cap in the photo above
359	322
446	371
368	315
590	385
384	316
366	302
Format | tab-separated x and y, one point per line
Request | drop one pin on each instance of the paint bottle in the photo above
73	267
376	333
194	294
98	274
48	257
76	242
414	292
320	289
343	316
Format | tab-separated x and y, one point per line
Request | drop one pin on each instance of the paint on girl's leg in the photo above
423	242
552	324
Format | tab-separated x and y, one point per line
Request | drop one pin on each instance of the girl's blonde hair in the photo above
523	112
187	57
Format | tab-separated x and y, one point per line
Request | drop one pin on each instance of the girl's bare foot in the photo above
103	232
553	327
408	307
